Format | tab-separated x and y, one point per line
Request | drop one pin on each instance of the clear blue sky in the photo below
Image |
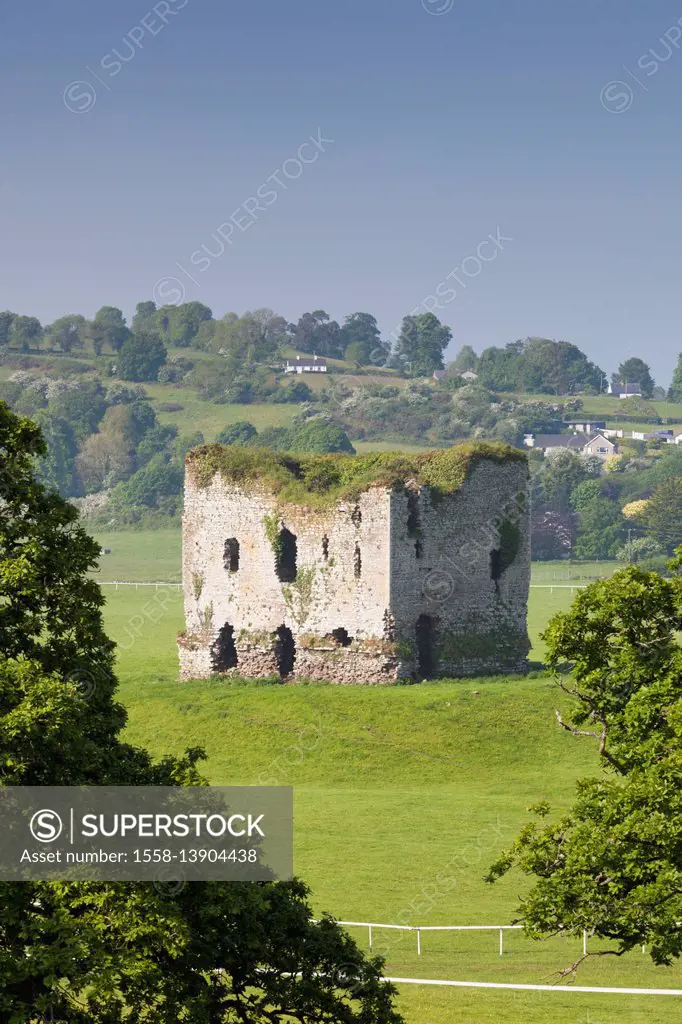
447	125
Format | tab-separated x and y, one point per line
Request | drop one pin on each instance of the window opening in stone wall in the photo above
357	562
495	564
224	650
414	527
425	636
285	556
341	636
356	516
285	651
325	547
231	554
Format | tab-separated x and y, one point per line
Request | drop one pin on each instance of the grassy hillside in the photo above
390	785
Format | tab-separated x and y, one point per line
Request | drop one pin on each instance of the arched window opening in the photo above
425	637
325	547
285	651
231	554
224	650
285	556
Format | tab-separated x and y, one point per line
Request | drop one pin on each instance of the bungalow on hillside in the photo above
306	364
625	390
594	444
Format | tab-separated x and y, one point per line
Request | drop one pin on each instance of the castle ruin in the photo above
355	569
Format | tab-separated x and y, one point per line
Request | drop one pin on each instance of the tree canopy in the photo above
636	371
97	953
612	865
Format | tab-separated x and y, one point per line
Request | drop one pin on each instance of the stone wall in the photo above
442	569
398	584
342	581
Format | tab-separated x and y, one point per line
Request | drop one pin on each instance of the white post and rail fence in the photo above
373	926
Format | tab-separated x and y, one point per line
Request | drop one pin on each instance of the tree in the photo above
421	344
601	528
57	468
83	407
466	359
240	433
110	328
663	514
141	357
97	953
68	332
103	461
316	333
639	549
636	371
611	866
24	332
255	337
360	338
6	321
675	391
293	391
145	319
319	435
179	325
561	473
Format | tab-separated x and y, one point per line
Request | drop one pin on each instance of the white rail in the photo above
371	925
135	583
540	988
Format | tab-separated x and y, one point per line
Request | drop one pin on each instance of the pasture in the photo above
390	785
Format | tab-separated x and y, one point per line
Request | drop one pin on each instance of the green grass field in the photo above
390	785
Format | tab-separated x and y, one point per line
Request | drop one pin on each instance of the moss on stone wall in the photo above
503	646
298	595
322	480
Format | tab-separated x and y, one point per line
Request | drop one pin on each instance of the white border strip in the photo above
540	988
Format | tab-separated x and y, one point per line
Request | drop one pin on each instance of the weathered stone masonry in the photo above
401	582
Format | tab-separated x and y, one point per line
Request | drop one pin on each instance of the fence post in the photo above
370	937
501	948
419	942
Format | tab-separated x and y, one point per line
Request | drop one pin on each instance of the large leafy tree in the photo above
145	318
421	344
68	332
675	390
466	359
93	953
316	332
179	325
636	371
109	328
601	527
663	514
6	320
141	357
361	338
24	332
613	864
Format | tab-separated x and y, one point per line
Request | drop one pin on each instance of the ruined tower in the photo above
355	569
